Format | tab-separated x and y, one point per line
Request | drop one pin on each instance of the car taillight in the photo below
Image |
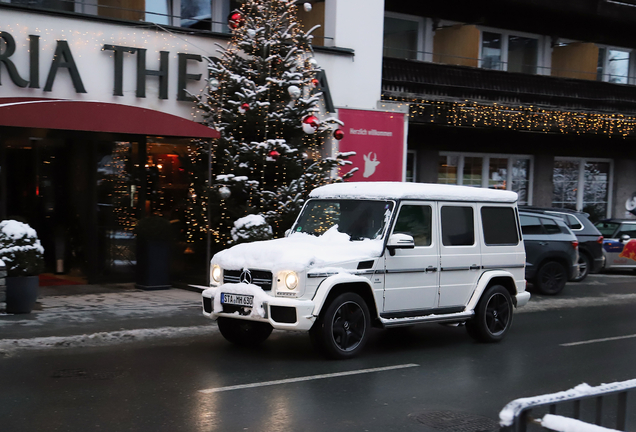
575	244
599	240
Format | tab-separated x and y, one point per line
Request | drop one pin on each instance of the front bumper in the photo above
280	313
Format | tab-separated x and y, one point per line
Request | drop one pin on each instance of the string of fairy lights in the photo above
519	117
227	109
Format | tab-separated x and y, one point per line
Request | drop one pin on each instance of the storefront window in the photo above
497	173
566	183
520	176
447	172
506	172
472	171
613	65
582	185
595	189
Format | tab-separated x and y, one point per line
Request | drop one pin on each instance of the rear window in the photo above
500	227
530	225
551	227
458	228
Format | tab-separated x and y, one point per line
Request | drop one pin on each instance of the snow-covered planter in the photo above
251	228
22	254
20	249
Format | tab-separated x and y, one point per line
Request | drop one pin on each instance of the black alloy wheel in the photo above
342	331
551	278
493	315
585	263
243	332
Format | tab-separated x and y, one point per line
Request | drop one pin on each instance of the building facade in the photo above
96	122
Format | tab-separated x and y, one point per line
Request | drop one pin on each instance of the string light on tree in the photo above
265	93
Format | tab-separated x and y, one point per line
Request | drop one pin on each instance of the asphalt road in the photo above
404	378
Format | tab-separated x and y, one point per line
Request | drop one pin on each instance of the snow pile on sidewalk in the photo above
9	346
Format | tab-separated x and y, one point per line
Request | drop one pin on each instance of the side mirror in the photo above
287	232
400	241
625	238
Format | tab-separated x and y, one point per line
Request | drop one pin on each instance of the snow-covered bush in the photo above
20	249
251	228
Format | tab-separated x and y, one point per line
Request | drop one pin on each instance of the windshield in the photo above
360	219
607	228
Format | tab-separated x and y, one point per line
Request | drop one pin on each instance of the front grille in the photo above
207	304
260	278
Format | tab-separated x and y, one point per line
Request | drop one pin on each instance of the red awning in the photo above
97	117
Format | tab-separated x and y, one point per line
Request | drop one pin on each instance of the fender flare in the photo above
327	284
484	280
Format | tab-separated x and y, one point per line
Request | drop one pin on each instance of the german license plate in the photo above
237	299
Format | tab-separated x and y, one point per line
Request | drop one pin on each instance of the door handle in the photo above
475	267
543	243
431	269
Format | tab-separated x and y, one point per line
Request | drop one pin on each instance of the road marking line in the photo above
307	378
598	340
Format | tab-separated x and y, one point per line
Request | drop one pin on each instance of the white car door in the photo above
411	275
460	254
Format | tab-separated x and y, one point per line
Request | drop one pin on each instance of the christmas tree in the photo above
262	97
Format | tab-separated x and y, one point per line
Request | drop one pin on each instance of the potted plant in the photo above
154	237
22	254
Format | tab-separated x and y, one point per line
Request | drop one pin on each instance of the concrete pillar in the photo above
542	186
624	187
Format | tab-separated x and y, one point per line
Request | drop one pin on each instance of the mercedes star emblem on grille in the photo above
246	276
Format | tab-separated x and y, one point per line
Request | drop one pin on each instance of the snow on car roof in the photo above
424	191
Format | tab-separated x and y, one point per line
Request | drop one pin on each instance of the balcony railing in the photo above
435	81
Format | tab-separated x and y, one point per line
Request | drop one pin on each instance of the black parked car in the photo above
591	257
551	251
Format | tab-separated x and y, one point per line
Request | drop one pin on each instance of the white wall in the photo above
355	82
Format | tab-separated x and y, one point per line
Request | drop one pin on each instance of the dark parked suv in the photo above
590	239
551	251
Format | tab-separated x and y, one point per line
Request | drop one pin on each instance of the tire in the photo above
342	331
493	315
551	278
585	264
244	333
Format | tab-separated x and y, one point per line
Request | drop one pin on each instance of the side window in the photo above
530	225
628	229
574	222
415	220
458	227
551	227
500	227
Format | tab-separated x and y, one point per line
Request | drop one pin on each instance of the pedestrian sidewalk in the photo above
74	312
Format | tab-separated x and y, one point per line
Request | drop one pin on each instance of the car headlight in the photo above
291	280
216	273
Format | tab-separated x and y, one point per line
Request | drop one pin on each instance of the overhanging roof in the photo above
91	116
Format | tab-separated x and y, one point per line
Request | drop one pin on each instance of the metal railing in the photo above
605	405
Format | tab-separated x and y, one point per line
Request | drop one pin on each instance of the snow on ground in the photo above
540	305
10	346
91	307
565	424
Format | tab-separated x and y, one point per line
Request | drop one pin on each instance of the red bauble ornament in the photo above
310	124
338	134
244	108
315	82
235	20
274	154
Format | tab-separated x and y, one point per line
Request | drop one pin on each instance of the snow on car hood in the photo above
298	252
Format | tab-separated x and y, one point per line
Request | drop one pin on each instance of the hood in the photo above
298	252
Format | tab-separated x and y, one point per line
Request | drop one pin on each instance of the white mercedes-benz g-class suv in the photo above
376	254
